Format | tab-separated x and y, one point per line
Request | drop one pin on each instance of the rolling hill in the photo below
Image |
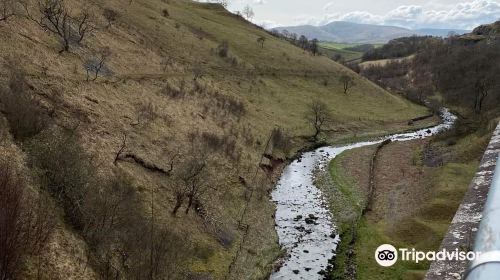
348	32
441	32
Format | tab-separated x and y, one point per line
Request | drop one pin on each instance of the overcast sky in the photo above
460	14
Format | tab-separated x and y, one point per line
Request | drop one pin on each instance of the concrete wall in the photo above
465	224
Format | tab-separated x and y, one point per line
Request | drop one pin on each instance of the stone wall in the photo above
465	224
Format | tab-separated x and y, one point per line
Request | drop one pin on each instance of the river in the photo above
304	223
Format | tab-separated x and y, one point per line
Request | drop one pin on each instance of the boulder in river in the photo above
298	218
309	221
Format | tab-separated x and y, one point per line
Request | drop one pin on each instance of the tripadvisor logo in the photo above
387	255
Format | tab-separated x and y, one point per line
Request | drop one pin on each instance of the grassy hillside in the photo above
170	95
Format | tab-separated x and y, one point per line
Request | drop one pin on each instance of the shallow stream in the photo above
303	221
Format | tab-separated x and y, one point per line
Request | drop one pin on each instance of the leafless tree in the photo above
248	12
121	149
180	196
261	40
224	3
83	22
482	87
194	181
7	9
314	46
54	16
347	82
318	116
97	66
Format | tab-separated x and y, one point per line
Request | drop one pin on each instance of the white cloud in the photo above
328	6
259	2
466	15
362	17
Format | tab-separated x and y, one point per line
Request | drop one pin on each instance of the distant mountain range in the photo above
348	32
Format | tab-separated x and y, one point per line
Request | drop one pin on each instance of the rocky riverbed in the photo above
304	224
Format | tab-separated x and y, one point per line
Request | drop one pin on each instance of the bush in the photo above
281	140
210	142
26	222
173	92
110	15
165	13
22	110
65	171
223	49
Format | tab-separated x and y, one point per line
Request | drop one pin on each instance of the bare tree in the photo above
224	3
347	82
261	40
482	88
83	22
180	196
7	9
318	116
303	42
195	182
54	16
248	12
121	149
97	66
314	47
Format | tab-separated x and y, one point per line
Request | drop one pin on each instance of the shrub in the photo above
65	170
173	92
26	222
110	15
281	140
22	110
210	142
223	49
229	105
165	13
147	111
